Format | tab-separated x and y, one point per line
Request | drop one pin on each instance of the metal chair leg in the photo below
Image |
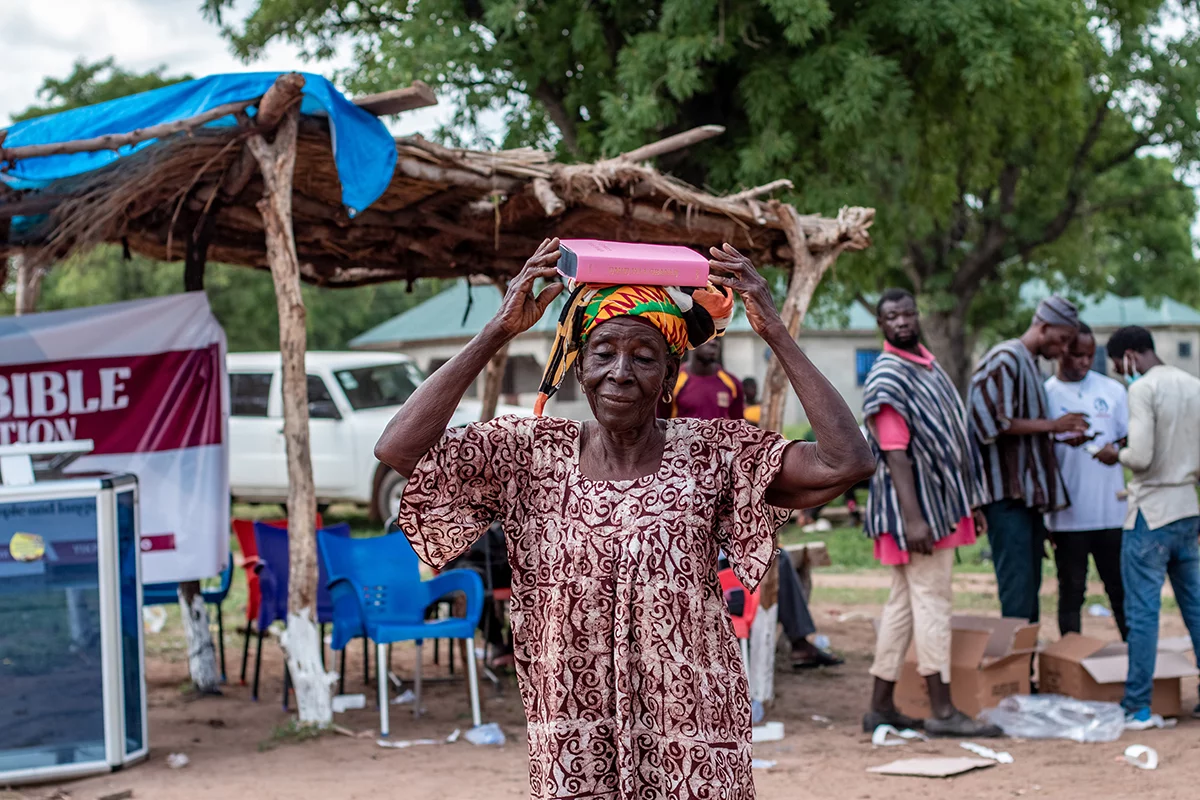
450	647
287	684
257	667
366	662
472	679
381	668
437	653
221	643
246	651
342	674
417	683
322	645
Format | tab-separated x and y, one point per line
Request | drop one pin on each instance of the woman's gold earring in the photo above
666	398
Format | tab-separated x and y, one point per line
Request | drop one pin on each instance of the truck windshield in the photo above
377	387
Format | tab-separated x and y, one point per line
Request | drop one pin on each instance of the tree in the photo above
93	83
996	140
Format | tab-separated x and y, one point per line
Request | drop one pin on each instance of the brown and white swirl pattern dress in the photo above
629	671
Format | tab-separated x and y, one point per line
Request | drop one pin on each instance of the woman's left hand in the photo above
738	273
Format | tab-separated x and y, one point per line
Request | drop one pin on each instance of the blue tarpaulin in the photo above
363	149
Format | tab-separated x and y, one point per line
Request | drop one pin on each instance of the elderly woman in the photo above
630	675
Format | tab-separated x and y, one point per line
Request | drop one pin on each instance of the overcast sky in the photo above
41	38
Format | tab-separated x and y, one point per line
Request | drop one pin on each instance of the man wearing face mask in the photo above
1011	420
1163	457
1092	523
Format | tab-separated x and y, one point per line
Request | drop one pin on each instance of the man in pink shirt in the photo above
923	503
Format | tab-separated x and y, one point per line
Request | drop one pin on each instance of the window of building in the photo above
248	393
863	361
1185	349
1100	361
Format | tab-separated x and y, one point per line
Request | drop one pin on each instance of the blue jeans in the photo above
1148	558
1017	536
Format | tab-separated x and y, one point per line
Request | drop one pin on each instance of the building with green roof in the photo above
436	330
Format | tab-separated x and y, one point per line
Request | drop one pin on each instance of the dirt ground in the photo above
240	749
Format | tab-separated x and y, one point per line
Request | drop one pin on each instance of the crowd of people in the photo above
612	531
1037	465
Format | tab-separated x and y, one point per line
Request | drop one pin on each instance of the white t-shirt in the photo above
1091	485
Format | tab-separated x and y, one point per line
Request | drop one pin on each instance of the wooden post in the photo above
301	642
29	282
807	270
493	376
202	656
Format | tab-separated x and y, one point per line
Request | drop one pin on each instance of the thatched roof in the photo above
446	212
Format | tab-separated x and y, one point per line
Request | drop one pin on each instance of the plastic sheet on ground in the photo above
1051	716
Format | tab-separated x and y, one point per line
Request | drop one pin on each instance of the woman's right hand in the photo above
522	308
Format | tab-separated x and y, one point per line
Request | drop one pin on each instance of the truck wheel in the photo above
387	498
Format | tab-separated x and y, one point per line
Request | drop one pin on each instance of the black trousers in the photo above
1071	555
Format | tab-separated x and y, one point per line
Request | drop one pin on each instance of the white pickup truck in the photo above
351	397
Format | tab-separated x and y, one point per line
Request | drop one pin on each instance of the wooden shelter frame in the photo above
234	194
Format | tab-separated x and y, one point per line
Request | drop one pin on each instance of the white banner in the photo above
145	380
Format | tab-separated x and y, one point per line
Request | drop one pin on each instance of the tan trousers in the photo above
919	607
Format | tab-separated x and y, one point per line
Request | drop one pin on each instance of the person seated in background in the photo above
488	556
704	390
794	615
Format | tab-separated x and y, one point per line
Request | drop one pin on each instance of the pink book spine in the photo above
622	262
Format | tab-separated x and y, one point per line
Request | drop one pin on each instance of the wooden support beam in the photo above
493	376
285	92
114	141
759	191
551	203
458	178
301	642
383	104
671	143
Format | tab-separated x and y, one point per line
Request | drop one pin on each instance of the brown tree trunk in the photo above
493	376
301	642
202	657
947	338
30	272
807	271
493	382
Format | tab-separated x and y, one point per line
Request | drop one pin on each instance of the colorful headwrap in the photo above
687	319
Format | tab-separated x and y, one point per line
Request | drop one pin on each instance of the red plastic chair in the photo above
243	529
742	622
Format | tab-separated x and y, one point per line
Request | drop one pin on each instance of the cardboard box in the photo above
989	661
1091	669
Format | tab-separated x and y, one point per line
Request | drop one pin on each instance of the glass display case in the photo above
72	666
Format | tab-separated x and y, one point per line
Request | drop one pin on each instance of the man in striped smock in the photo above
1010	418
922	504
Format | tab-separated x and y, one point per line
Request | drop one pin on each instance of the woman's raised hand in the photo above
522	308
736	272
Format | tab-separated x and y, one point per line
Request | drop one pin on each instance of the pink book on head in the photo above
595	261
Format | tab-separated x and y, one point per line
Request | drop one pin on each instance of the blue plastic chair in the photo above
272	568
165	594
376	585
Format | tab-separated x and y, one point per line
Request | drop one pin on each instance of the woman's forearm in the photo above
421	422
839	442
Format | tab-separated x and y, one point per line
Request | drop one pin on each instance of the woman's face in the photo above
624	370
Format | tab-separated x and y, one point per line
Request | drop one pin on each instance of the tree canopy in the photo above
998	141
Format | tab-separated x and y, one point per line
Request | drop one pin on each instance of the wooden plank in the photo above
382	104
